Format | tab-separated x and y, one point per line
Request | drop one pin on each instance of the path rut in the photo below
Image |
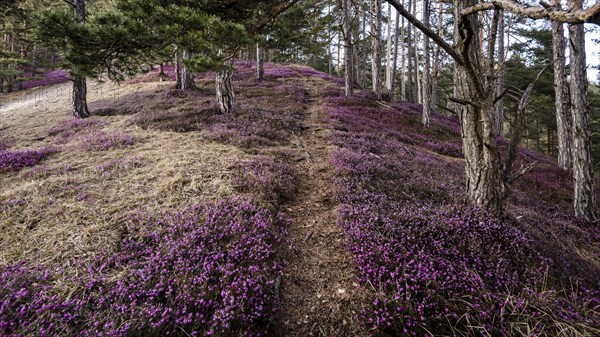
318	293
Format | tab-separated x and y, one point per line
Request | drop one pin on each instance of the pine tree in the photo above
476	88
582	160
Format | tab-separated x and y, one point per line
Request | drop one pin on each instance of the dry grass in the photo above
79	203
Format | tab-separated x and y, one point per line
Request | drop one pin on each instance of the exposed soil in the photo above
318	293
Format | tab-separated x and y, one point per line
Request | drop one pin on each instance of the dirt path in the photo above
317	290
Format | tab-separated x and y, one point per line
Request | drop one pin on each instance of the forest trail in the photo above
318	290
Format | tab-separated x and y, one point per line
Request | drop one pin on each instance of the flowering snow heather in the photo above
50	78
265	178
209	270
65	131
429	263
103	141
16	160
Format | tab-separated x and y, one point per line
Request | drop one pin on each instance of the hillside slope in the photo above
302	213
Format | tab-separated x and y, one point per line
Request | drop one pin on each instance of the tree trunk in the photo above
376	47
80	108
402	62
500	83
418	88
485	182
409	78
388	65
260	65
582	161
426	117
348	50
224	87
563	114
436	56
178	80
395	61
161	74
187	78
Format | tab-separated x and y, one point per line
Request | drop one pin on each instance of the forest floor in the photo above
318	215
319	293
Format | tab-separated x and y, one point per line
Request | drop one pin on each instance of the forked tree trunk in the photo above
582	161
426	117
563	114
224	87
483	167
80	108
187	78
376	47
348	49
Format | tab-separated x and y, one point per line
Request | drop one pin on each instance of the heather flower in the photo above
103	141
16	160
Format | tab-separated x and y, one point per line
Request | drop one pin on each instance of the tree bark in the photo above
376	47
582	161
260	65
224	87
402	62
579	15
483	167
409	78
563	114
426	116
80	108
395	62
388	65
418	88
436	56
500	80
348	50
178	81
187	78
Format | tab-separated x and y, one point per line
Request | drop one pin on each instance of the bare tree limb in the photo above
509	177
427	31
272	14
589	15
